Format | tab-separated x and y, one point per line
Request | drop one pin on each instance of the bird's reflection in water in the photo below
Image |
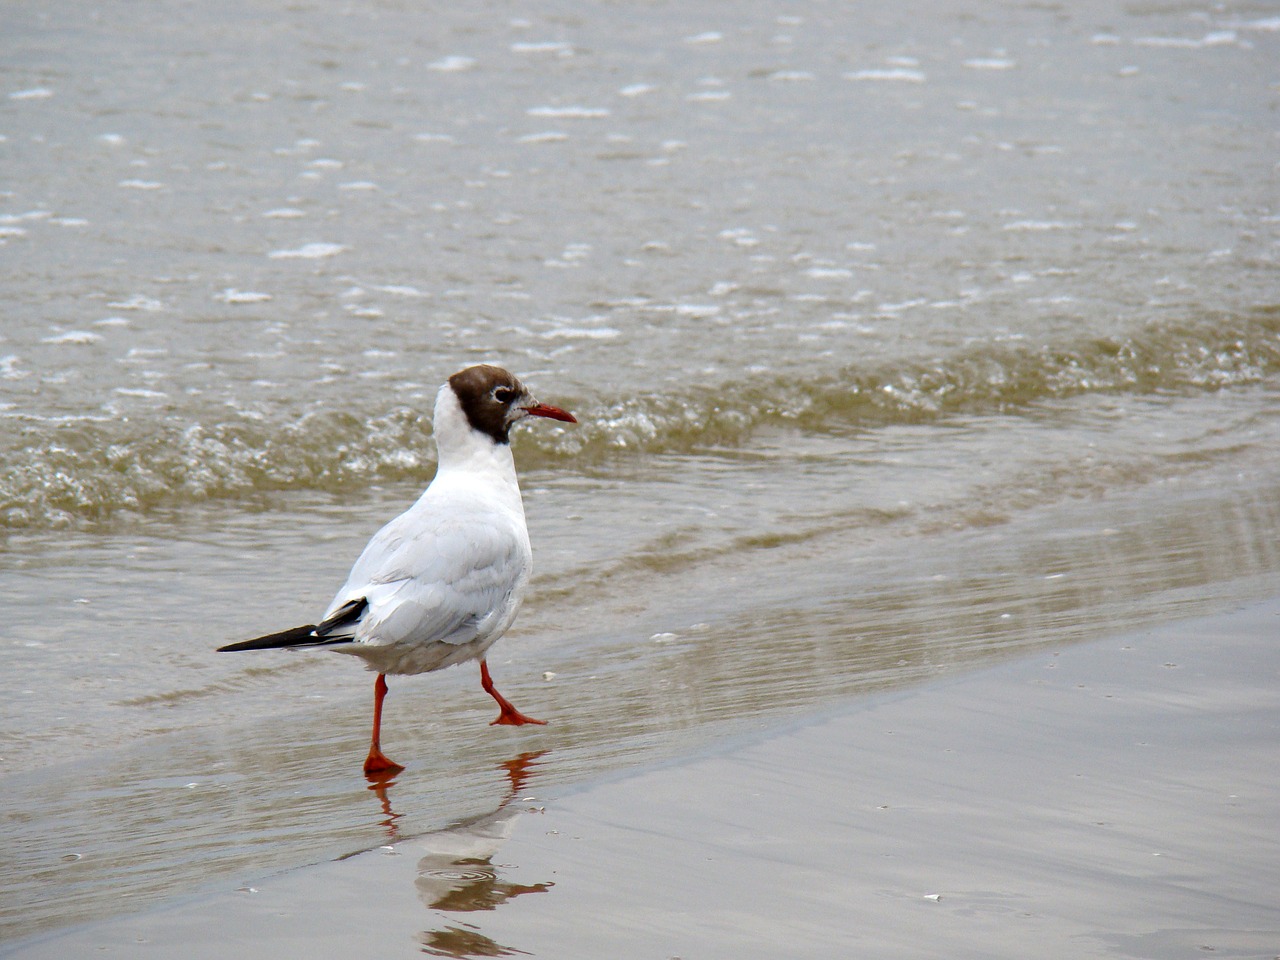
381	782
456	873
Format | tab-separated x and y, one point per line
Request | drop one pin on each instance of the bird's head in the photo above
493	400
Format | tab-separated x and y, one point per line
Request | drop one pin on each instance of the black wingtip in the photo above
297	637
349	612
309	635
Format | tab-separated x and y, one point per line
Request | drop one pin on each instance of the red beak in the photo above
550	412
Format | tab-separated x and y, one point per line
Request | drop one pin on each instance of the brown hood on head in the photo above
492	399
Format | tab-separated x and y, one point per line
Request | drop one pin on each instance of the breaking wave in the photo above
87	471
1222	352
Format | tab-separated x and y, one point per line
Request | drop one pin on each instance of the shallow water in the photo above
902	338
1132	816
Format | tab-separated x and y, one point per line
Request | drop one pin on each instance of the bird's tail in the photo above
309	635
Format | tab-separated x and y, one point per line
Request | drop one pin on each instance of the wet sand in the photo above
1112	799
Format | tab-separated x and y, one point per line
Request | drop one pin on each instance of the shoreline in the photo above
1108	799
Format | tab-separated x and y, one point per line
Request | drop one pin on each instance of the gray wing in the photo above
438	576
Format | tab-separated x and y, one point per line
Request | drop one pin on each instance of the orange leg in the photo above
376	762
508	715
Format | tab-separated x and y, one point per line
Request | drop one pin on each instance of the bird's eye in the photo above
504	394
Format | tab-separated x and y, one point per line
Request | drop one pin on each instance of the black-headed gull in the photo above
441	582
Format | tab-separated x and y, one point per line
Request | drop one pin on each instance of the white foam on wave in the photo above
582	333
894	75
1218	38
569	113
232	295
1266	24
77	337
991	63
559	47
697	311
134	183
739	236
309	251
25	217
140	392
401	290
301	146
34	93
452	64
1037	226
904	305
138	301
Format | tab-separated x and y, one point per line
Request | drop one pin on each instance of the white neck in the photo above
462	447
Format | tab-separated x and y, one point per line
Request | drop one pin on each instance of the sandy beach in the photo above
1110	799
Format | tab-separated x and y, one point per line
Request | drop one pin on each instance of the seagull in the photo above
440	583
